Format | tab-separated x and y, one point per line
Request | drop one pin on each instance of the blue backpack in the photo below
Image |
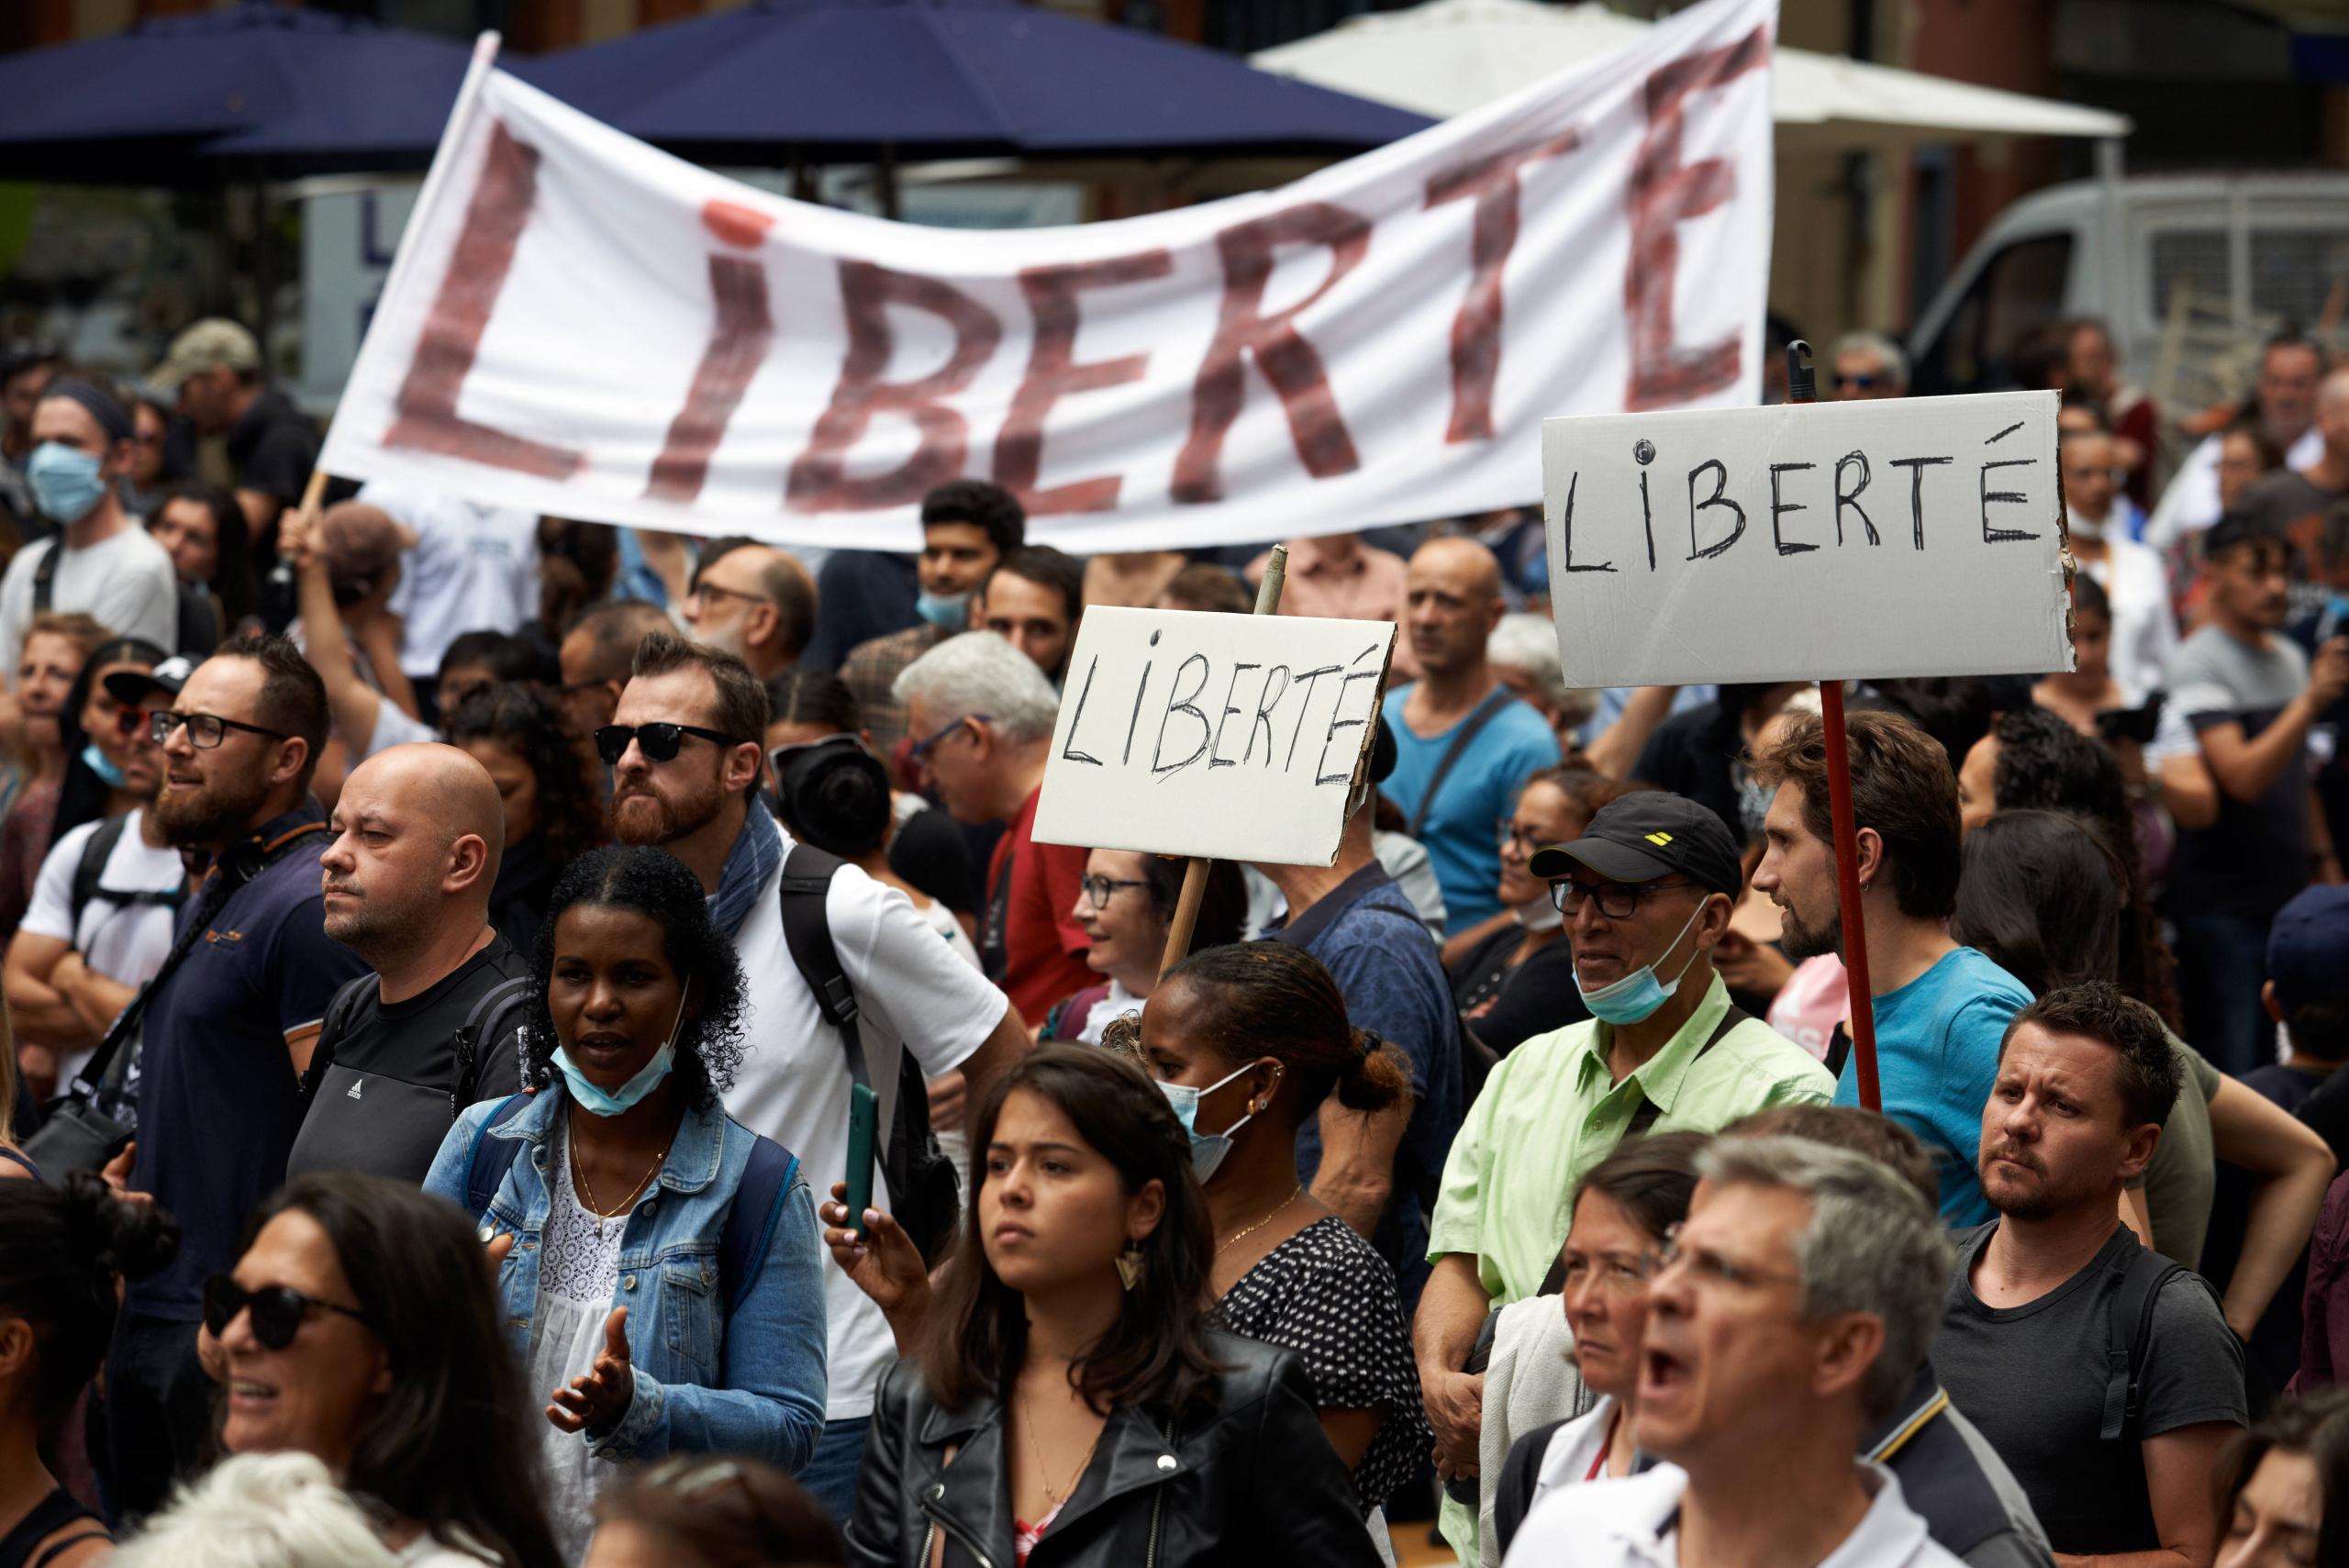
751	1219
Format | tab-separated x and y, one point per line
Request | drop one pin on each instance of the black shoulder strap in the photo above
237	865
333	1024
807	932
491	1158
1645	1116
2129	1331
91	869
492	1018
1470	728
45	575
751	1218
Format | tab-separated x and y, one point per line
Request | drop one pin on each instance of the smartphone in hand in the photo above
864	1126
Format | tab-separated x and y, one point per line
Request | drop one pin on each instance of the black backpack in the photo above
89	873
496	1013
924	1196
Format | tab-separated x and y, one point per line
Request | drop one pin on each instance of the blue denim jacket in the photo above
746	1381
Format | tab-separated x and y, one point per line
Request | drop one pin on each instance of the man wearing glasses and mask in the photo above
683	748
228	1025
1646	893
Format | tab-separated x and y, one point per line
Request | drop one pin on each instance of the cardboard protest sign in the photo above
1834	541
585	327
1229	736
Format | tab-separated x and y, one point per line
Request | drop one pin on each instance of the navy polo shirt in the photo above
1368	935
218	1099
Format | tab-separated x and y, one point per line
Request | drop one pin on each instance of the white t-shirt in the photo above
2190	504
2144	634
1633	1523
913	992
125	584
473	569
123	941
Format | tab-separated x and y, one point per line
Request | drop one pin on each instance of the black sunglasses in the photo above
277	1309
659	743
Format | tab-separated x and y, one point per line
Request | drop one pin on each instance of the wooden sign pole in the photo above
1802	387
1195	874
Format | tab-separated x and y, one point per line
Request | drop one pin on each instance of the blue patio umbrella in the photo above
818	79
269	88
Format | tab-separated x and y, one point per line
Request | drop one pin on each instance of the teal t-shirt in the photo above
1936	1056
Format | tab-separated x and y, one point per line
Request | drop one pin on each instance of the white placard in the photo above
1834	541
1238	737
581	326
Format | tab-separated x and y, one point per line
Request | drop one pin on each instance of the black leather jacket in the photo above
1255	1481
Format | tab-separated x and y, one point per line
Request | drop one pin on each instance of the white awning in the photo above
1448	56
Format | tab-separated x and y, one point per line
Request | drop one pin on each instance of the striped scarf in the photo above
757	851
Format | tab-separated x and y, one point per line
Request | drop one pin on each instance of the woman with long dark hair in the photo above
2284	1487
357	1326
56	645
203	530
553	815
2040	896
659	1322
1072	1399
61	1253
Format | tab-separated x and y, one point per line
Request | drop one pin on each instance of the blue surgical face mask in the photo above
1207	1149
2337	607
1636	996
597	1100
66	483
949	611
102	765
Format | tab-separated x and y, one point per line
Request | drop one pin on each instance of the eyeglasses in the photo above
204	730
277	1309
712	591
1617	900
922	749
1712	1268
659	743
1863	382
1098	889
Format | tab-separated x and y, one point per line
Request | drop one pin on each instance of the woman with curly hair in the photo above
551	814
658	1323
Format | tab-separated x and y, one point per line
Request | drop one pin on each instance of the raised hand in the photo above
601	1397
882	1262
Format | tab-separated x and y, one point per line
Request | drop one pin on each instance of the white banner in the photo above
1917	536
1162	703
581	326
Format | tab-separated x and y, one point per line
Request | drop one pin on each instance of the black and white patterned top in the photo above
1327	1295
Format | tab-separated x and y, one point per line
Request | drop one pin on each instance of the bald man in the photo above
1464	745
418	831
755	603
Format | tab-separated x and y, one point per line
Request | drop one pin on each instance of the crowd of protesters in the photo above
449	953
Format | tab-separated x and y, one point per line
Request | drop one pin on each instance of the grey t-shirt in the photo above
2032	1378
2251	860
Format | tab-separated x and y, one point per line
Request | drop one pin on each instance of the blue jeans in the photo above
2222	964
831	1474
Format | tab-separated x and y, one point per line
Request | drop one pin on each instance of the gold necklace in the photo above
1036	1453
587	1191
1251	1229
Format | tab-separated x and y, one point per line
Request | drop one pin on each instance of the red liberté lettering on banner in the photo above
818	482
1476	329
1288	362
1665	192
1053	373
738	343
425	406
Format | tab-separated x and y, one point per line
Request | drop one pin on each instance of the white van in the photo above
2254	249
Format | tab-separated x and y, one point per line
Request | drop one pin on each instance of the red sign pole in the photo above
1802	387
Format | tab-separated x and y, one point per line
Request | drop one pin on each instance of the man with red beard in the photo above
683	750
2117	1459
227	1029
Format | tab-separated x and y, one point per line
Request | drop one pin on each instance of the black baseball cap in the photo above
2308	949
1648	835
135	686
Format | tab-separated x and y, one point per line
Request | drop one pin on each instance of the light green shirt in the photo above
1552	1110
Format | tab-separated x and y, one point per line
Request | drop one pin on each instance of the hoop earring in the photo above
1130	1265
